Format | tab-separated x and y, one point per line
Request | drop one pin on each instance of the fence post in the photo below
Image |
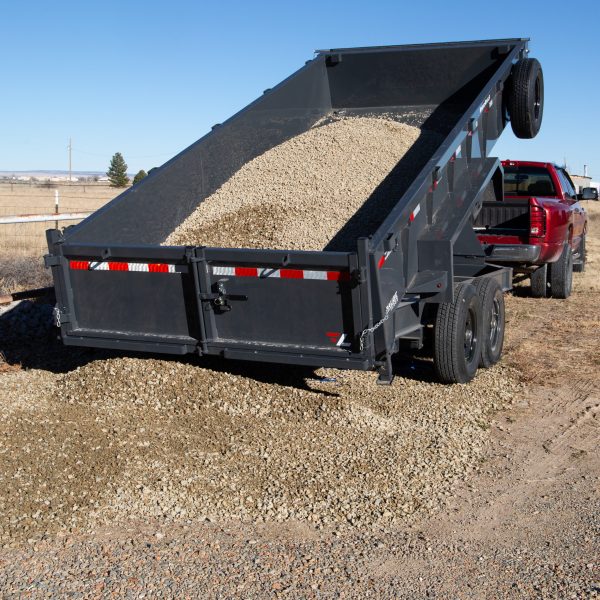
56	208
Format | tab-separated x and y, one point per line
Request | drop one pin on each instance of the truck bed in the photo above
503	217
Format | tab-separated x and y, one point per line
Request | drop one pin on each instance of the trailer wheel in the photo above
579	266
561	274
491	297
457	336
525	101
539	282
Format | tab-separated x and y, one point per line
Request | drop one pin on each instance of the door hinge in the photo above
51	260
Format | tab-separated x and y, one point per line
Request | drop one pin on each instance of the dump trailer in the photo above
422	270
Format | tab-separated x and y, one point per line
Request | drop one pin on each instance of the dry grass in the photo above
21	272
23	245
593	210
553	341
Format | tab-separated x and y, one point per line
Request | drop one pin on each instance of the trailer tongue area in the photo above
401	256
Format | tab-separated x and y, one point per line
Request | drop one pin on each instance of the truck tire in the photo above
561	274
525	101
539	282
579	266
457	336
491	297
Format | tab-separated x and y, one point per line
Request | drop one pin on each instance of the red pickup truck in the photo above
531	219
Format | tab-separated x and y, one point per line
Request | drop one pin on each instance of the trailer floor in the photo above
525	524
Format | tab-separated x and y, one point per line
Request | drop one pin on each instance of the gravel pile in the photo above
300	194
146	438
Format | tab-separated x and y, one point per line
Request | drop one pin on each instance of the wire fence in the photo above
16	199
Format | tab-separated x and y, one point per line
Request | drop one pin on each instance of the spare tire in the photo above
525	101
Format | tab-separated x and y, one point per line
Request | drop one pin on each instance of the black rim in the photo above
470	341
495	323
537	102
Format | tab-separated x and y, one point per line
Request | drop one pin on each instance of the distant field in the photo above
24	198
23	245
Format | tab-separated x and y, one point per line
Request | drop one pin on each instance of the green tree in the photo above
139	176
117	171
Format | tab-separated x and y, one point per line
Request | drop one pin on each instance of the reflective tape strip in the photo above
86	265
383	258
415	212
322	275
79	265
264	273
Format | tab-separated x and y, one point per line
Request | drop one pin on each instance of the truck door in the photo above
578	213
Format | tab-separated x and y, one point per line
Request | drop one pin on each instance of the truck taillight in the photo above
537	221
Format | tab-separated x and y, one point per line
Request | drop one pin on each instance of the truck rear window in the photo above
528	181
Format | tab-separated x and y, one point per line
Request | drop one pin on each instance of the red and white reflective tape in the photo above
457	153
281	273
386	255
414	213
383	258
88	265
485	106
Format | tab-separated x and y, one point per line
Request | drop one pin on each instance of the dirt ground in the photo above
520	518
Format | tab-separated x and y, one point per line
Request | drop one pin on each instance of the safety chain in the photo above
56	314
388	311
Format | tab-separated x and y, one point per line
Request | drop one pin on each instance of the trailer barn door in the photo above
262	303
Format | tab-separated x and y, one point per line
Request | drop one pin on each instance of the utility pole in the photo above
70	147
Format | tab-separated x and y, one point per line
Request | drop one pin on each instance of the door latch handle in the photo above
220	298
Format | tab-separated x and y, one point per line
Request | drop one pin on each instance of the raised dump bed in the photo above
394	260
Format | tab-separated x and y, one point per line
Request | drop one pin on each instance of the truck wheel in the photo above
539	282
561	274
457	336
525	101
579	266
491	297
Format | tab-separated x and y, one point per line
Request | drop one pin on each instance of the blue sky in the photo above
149	78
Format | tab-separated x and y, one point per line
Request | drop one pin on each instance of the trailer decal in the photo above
263	273
337	339
88	265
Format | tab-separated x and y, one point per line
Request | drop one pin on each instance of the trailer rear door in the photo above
261	299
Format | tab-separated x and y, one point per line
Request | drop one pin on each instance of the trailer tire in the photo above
493	314
457	336
579	266
525	101
561	274
539	282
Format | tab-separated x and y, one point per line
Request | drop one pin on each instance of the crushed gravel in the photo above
323	188
129	438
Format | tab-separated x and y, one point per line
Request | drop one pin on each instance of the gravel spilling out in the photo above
146	438
302	194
